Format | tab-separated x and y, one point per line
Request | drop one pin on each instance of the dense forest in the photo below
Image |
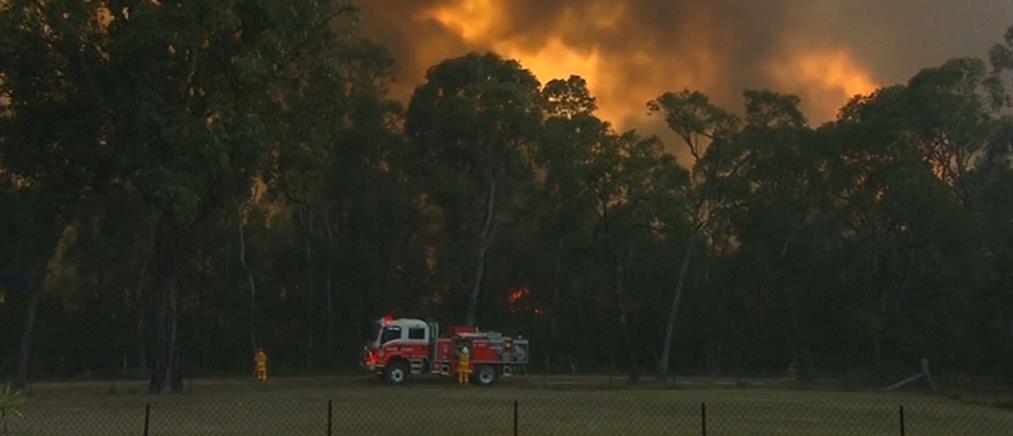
182	181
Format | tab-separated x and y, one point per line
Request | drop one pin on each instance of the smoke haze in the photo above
630	51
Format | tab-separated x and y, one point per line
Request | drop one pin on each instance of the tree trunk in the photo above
21	377
249	279
621	265
309	292
550	346
485	239
330	294
165	375
165	371
142	313
25	348
666	347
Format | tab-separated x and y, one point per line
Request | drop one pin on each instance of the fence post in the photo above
147	417
901	408
515	417
330	414
703	418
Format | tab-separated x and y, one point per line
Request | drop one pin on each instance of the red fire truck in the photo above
400	348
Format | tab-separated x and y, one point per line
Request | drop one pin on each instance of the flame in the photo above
825	79
517	303
516	295
515	300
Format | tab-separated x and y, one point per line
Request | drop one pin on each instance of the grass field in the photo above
433	406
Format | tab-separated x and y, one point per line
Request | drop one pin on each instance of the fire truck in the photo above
403	347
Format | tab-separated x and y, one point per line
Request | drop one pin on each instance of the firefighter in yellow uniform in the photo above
261	360
463	366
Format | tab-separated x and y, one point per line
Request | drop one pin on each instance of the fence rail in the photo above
585	414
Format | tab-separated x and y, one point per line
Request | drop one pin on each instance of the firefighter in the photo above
261	360
463	366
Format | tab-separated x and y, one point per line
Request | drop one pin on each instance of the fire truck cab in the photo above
403	347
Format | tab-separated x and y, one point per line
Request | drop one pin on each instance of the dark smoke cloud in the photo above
899	37
633	50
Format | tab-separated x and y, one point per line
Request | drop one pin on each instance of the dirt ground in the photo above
436	406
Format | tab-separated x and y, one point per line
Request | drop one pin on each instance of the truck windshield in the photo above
390	333
385	333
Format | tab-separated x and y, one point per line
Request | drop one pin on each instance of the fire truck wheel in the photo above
396	373
485	375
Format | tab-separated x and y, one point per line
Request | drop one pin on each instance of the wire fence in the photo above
592	413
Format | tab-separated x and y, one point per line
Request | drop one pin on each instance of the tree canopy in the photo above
184	181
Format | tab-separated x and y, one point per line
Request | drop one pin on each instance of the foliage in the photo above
10	402
185	179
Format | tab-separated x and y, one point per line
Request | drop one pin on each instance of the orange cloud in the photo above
824	78
482	24
472	20
626	61
555	60
836	70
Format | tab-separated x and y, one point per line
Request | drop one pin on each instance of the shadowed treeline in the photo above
181	182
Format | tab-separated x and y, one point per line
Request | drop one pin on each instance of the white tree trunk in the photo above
666	347
252	284
485	239
622	263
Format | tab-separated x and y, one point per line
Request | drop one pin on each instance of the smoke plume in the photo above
630	51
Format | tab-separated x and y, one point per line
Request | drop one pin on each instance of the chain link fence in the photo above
587	413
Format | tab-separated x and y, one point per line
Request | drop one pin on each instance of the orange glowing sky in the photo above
630	51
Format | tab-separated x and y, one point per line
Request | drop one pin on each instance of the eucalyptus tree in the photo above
473	124
703	128
571	134
185	98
